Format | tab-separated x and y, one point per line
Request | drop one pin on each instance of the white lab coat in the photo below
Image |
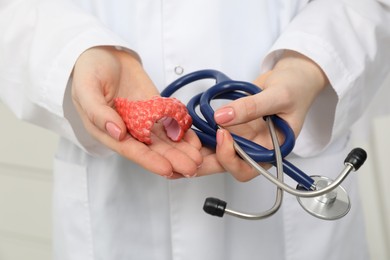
105	207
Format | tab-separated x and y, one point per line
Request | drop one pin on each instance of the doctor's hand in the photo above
289	89
104	73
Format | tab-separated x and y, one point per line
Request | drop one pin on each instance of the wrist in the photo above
305	66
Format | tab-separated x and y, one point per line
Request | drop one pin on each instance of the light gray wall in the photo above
26	153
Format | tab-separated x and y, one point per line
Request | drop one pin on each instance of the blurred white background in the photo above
26	153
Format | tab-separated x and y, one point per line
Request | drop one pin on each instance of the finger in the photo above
190	145
192	138
261	80
135	151
132	150
184	158
175	176
229	159
93	107
246	109
142	155
210	166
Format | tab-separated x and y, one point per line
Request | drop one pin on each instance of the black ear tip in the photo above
214	206
356	157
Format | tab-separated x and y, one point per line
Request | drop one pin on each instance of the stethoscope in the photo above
320	196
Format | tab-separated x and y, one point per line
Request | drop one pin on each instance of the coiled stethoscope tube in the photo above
307	192
226	88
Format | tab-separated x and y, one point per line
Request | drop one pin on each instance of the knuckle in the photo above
285	97
91	116
251	108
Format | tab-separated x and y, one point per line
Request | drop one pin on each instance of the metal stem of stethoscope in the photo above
299	193
354	160
279	177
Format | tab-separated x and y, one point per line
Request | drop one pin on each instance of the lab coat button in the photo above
179	70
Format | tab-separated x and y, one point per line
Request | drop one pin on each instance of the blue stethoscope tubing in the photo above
206	128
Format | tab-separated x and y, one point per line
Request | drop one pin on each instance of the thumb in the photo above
262	79
244	110
249	108
107	120
99	117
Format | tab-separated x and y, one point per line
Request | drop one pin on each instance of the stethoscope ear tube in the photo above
356	158
214	207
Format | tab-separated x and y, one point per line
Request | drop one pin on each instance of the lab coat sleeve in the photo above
39	45
350	41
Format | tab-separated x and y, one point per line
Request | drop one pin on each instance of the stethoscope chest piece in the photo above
330	206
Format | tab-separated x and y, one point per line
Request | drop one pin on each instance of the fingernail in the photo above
169	176
191	176
224	115
220	137
113	130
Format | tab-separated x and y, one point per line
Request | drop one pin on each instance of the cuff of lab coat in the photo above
321	124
